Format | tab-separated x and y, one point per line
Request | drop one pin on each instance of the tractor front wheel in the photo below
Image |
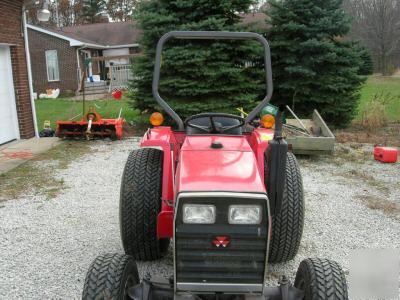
287	224
140	204
110	276
321	279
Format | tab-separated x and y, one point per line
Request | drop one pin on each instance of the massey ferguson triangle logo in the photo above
221	241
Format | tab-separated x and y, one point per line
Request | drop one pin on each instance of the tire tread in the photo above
140	203
287	226
105	275
324	279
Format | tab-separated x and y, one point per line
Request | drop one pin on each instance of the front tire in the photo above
287	225
140	204
321	279
109	277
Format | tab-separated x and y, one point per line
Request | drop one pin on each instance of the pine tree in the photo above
367	66
313	66
92	10
202	75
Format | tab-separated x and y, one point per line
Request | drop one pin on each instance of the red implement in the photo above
91	126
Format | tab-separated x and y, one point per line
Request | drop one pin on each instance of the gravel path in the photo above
47	245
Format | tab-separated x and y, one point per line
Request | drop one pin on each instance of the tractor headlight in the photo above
245	214
198	214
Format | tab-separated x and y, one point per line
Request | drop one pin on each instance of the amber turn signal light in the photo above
156	119
267	121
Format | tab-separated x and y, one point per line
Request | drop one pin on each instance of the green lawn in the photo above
379	84
63	109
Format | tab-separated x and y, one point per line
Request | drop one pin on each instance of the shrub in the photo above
374	114
390	70
367	64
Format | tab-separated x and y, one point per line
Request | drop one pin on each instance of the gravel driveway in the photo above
47	245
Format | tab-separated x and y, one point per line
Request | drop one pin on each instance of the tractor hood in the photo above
218	163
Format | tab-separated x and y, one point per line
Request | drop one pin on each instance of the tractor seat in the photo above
206	122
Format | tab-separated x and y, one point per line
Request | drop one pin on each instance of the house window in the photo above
52	65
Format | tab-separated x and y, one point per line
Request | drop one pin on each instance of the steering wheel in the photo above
215	127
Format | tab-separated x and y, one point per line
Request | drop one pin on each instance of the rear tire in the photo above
321	279
140	204
109	277
287	225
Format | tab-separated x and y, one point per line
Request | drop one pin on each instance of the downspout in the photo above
28	65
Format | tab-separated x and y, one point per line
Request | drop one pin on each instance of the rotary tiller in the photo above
92	125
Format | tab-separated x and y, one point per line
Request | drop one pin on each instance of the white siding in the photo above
115	52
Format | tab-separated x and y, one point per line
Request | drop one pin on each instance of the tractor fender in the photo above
162	138
259	140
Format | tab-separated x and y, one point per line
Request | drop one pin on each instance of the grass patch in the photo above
66	152
352	152
38	175
350	158
365	178
388	135
376	203
378	85
64	109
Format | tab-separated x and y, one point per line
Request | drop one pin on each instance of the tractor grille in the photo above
198	260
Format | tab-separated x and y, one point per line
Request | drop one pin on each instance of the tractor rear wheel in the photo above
110	276
140	204
287	225
321	279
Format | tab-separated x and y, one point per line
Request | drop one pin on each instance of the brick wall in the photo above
11	33
40	42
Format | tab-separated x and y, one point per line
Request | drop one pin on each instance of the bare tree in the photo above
69	12
121	10
63	13
377	24
72	12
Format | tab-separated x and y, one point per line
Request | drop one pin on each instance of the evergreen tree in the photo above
367	63
313	66
197	75
92	10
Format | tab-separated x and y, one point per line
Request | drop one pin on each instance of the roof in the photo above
99	35
111	34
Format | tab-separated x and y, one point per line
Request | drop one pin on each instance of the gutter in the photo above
102	47
121	46
28	65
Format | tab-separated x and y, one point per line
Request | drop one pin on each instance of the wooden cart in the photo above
318	140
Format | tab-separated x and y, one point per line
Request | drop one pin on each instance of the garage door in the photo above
8	113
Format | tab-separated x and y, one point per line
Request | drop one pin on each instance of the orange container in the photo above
385	154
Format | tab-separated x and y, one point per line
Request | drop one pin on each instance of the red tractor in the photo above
228	195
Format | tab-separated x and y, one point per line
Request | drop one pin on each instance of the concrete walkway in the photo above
17	152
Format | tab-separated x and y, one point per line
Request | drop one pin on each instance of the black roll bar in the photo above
217	35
